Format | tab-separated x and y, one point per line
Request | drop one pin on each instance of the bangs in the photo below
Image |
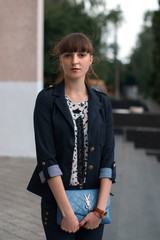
75	42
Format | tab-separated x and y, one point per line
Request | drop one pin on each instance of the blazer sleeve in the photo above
44	137
108	165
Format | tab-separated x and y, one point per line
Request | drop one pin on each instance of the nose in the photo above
74	59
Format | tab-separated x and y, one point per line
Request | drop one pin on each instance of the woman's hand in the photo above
91	221
70	223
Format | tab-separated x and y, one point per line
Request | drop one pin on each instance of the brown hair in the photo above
74	42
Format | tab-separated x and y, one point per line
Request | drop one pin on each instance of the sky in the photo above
133	12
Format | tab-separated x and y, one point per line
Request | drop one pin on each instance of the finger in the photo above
64	229
76	230
82	222
86	226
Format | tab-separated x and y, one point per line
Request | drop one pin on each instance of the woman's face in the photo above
76	64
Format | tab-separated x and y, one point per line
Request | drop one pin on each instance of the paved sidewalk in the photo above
19	209
135	207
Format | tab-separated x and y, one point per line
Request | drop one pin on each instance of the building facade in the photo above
21	73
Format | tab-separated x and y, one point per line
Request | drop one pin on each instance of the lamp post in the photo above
116	63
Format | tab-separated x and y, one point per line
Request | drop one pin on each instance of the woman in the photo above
74	143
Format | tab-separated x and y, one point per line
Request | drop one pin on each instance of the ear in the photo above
91	59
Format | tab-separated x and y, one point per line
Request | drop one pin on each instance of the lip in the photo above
75	69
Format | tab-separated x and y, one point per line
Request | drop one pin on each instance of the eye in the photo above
82	55
67	55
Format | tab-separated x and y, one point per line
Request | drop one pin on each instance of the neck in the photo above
76	90
75	86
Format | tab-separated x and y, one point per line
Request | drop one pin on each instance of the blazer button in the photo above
43	163
90	167
91	149
80	187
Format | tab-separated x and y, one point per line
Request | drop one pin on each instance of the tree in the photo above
115	17
155	81
141	60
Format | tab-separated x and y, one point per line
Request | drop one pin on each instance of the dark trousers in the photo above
54	232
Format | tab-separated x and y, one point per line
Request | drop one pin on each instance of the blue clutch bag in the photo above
82	202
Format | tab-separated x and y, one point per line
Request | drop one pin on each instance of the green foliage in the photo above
105	70
96	2
155	81
141	63
115	16
144	67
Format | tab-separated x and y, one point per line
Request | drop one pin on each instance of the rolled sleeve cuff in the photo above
105	173
53	171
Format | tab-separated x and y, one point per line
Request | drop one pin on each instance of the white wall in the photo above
16	118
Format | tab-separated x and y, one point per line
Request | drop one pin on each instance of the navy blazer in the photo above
54	137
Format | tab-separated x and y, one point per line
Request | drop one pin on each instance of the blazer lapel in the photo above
94	105
60	101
